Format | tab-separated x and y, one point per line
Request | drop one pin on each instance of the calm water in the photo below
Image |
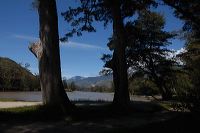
74	96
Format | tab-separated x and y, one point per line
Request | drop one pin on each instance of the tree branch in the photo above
36	49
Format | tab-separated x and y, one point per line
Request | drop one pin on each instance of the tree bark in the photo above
120	76
48	55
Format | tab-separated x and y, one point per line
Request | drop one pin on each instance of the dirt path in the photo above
17	104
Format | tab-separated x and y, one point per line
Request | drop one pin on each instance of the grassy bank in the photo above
7	100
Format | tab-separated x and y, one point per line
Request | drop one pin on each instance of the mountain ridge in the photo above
88	82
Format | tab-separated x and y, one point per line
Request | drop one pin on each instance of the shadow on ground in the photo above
98	117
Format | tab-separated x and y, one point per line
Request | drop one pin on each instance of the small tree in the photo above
64	80
72	86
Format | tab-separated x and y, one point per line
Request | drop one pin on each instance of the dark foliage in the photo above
189	12
147	52
83	17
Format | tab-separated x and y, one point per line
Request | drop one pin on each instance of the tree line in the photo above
139	44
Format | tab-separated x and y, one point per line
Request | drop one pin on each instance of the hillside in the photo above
14	77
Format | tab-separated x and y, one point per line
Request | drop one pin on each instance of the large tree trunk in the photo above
48	53
120	77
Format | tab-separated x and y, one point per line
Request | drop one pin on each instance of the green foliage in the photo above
65	83
101	89
189	90
142	86
147	52
72	86
13	76
147	41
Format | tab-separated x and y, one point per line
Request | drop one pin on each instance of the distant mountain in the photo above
76	78
88	82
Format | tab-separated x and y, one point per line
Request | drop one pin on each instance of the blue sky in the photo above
80	56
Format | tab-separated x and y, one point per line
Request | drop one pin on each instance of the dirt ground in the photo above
62	126
94	117
15	104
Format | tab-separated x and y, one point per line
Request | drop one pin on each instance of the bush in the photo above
142	86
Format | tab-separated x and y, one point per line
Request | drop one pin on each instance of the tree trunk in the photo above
120	77
48	54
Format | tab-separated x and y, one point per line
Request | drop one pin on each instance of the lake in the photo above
73	96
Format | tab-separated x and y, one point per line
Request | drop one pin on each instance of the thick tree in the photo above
146	50
48	54
115	11
119	66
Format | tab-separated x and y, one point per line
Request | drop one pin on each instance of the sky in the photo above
80	56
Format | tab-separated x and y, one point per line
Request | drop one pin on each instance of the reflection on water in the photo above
74	96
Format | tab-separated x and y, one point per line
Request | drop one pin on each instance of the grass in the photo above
165	105
33	113
7	100
85	110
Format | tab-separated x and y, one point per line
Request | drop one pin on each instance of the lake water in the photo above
74	96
